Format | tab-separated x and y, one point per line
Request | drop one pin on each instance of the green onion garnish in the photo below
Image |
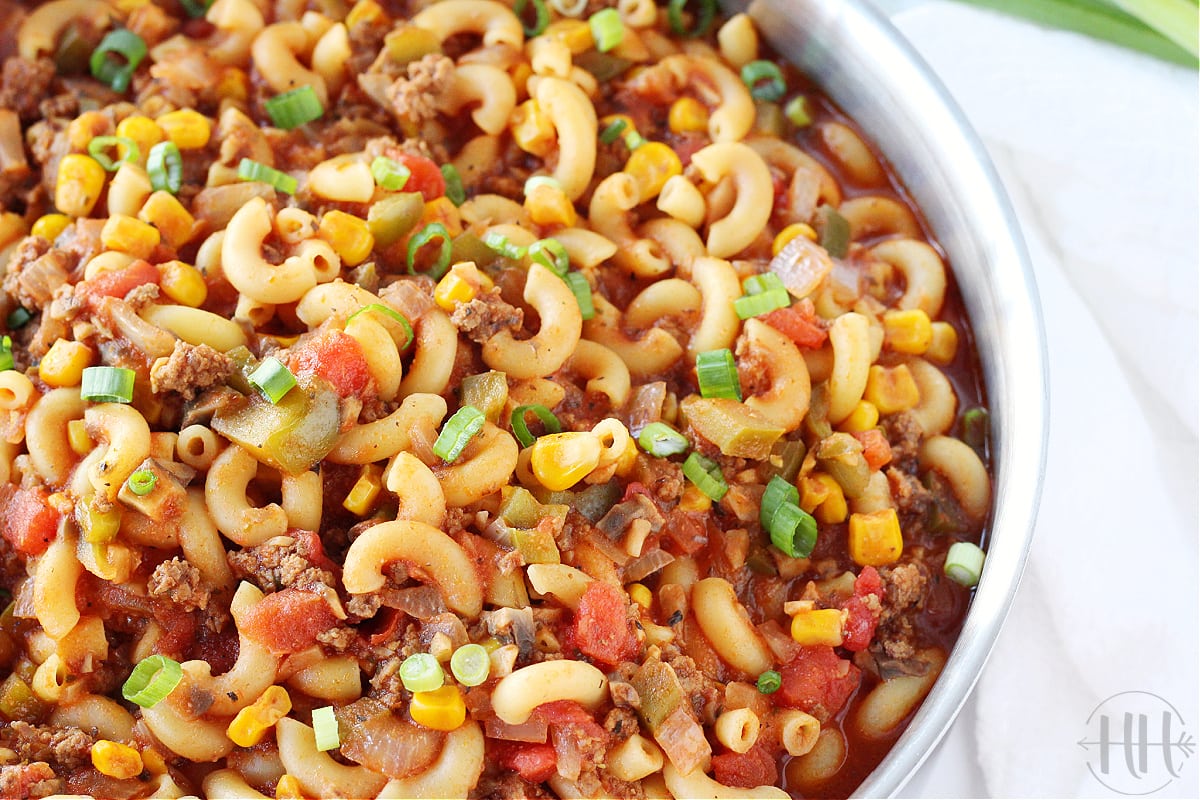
196	8
764	79
520	428
273	379
703	19
434	230
541	16
294	108
126	44
152	680
249	170
19	317
793	530
607	29
541	180
391	314
754	304
165	167
835	231
98	149
633	140
778	492
717	374
470	664
421	672
974	427
552	255
142	482
325	729
798	111
707	475
613	131
456	434
107	384
964	563
6	354
583	293
769	682
757	284
661	440
455	192
500	243
390	174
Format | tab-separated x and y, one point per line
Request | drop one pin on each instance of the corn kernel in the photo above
129	235
143	131
688	115
116	760
817	626
908	331
364	11
452	290
521	72
875	538
64	363
289	787
164	211
864	417
154	763
561	460
442	209
891	389
791	232
187	128
944	343
252	722
12	227
442	709
86	127
361	498
532	129
822	496
574	33
640	594
549	205
652	165
78	437
49	226
234	85
348	235
79	184
60	502
694	500
183	283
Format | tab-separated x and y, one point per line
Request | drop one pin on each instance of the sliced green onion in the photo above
793	530
758	284
703	19
164	165
122	42
633	140
196	8
769	682
974	427
754	304
152	680
607	29
390	174
964	563
661	440
764	79
717	374
456	434
421	672
552	255
583	293
835	231
707	475
273	379
294	108
142	482
19	317
500	243
778	491
6	354
98	149
613	131
249	170
470	664
520	428
541	180
434	230
325	729
541	16
107	384
390	313
569	8
455	192
799	111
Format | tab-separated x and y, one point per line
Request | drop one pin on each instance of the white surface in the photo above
1098	150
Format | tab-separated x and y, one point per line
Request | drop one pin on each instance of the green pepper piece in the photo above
292	435
391	217
735	428
487	391
841	455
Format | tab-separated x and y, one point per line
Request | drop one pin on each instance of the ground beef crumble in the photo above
24	84
190	369
180	582
485	316
35	271
904	435
415	98
66	746
19	781
279	564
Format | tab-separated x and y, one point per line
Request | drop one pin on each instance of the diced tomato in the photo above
800	324
868	582
313	549
336	357
570	716
426	176
29	523
533	761
117	283
859	627
601	629
817	681
755	767
633	489
876	449
686	530
288	621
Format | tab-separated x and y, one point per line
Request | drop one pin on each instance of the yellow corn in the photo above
79	184
154	763
116	760
183	283
143	131
561	460
822	496
818	626
288	787
532	129
908	331
252	722
348	235
361	498
687	115
63	364
164	211
640	594
12	227
364	11
694	500
549	205
791	232
891	389
442	709
875	538
86	127
452	290
234	84
574	33
442	209
187	128
49	226
652	165
864	417
129	235
943	345
77	436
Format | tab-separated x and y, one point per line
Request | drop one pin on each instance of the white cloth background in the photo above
1098	150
